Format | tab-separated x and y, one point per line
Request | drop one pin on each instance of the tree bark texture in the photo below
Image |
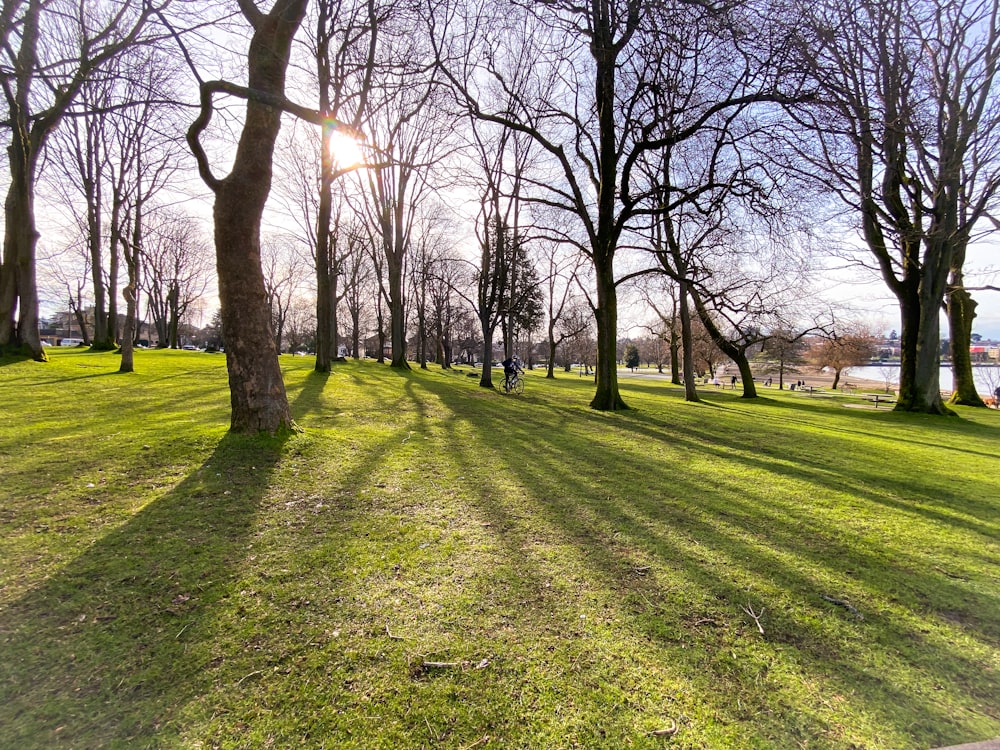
129	292
486	379
687	341
257	391
324	290
18	288
735	352
604	243
961	313
18	285
397	316
607	397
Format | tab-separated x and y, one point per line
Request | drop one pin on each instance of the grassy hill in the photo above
431	565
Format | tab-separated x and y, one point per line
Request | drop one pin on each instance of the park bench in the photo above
879	398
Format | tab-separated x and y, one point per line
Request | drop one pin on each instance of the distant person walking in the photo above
734	382
996	397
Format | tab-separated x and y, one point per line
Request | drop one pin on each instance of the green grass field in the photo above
431	565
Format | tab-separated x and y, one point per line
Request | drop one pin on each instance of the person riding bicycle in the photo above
511	369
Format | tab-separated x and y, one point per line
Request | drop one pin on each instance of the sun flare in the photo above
345	151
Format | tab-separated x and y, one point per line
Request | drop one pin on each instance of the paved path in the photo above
987	745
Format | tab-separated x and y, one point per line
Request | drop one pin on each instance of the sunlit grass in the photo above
585	579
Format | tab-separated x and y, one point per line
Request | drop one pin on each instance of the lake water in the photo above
987	377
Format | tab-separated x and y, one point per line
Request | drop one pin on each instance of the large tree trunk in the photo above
114	265
356	332
447	353
550	371
257	392
397	316
675	349
486	380
324	291
736	353
605	50
607	397
18	285
746	375
961	313
18	289
130	294
173	315
920	342
687	342
444	349
102	339
128	334
421	341
325	326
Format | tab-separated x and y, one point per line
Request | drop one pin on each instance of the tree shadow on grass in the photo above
739	546
865	422
309	395
110	647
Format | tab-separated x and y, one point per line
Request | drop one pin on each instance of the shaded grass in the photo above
585	574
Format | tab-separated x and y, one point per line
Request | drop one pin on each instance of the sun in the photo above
345	151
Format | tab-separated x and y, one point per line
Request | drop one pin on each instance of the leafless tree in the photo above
787	346
405	119
285	273
257	392
146	147
445	312
559	275
431	241
347	40
300	324
906	133
42	82
81	154
710	195
67	283
378	294
113	157
590	105
357	271
178	267
660	294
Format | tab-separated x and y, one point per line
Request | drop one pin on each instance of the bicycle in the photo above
514	384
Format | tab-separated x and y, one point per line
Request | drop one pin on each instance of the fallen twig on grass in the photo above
666	732
951	575
391	636
481	741
841	603
707	621
756	617
452	664
248	676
